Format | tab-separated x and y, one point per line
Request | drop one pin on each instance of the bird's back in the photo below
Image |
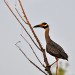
56	50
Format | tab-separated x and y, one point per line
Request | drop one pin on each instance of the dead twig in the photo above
20	15
33	51
29	59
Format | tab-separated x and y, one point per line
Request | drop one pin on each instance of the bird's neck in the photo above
47	37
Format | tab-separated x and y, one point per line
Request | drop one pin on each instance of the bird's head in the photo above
42	25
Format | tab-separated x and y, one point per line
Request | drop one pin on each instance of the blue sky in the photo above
59	14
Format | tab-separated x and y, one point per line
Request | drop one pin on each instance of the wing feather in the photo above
56	50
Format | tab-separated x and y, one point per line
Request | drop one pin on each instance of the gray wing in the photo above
56	50
51	49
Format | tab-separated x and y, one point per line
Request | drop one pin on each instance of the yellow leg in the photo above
56	66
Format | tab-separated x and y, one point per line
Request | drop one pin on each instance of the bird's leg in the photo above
56	66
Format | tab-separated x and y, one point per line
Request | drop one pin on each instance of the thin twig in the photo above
33	51
26	23
29	59
20	15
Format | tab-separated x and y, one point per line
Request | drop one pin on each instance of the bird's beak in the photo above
36	26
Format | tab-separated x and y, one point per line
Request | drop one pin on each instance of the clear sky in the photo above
59	14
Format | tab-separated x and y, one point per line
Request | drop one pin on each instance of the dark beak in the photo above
36	26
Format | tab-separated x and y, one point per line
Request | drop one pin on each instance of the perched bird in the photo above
51	47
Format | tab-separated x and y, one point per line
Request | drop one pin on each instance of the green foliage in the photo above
61	71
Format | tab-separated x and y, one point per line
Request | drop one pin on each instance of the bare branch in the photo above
23	11
29	59
21	24
30	25
33	51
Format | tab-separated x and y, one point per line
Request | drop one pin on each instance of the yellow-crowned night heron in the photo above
51	47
